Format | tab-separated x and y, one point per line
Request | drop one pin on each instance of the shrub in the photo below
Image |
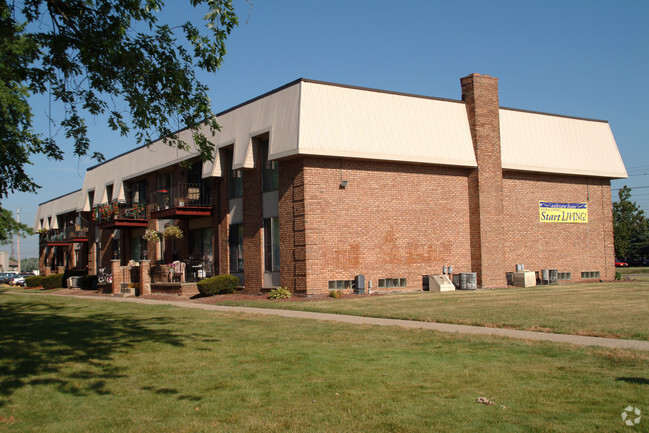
335	293
618	276
219	285
88	282
34	281
54	281
280	293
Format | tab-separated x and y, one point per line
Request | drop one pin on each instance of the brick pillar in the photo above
253	223
223	204
115	268
60	269
292	235
145	277
480	93
42	258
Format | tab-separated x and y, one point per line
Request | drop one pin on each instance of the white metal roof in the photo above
351	122
308	117
555	144
50	209
129	165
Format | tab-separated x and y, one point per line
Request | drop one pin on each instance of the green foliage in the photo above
618	276
630	227
28	265
34	281
104	58
279	293
335	293
54	281
8	225
218	285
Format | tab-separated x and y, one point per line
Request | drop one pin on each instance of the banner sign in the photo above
563	212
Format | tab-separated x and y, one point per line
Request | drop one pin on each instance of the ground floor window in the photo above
589	275
386	283
138	248
236	247
200	244
271	244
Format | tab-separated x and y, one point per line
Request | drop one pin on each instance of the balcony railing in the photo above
75	231
119	211
182	195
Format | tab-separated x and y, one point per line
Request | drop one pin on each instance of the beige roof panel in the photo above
555	144
362	123
275	113
57	206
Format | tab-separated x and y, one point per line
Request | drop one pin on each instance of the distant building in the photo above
314	183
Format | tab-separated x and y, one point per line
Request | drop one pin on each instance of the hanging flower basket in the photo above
172	231
151	235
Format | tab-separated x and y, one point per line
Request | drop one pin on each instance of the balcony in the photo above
184	200
53	238
120	215
76	233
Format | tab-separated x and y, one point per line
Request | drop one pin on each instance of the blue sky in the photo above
578	58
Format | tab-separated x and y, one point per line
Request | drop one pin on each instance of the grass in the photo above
69	365
616	310
632	270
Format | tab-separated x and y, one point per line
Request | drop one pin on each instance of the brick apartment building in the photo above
314	183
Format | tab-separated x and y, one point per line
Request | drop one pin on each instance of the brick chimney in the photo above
480	93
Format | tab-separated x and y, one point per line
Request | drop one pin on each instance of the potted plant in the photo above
172	231
151	235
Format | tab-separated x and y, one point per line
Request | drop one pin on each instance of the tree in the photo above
28	265
10	227
629	225
93	58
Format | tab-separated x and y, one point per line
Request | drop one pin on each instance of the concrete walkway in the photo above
412	324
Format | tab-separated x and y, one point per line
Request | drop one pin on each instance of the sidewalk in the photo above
411	324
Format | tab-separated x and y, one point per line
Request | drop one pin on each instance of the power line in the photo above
632	188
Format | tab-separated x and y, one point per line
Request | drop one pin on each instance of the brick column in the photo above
253	223
480	93
292	235
223	228
145	277
117	276
60	269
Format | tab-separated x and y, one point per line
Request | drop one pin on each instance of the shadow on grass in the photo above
636	380
40	338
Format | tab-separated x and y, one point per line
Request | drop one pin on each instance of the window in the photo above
386	283
271	244
590	275
109	193
200	244
340	284
137	192
235	180
564	276
269	170
91	198
236	248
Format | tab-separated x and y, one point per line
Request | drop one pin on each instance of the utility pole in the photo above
18	239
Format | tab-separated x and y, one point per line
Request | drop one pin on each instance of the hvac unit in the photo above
359	284
465	281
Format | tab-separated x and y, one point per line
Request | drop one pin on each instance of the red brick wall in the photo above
292	236
480	93
567	247
392	221
253	267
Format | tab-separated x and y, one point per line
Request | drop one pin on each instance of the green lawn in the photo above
69	365
600	309
633	270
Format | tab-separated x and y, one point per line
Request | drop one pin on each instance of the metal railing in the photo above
116	210
182	195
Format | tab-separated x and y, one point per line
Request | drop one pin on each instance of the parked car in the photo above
6	276
620	264
17	281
